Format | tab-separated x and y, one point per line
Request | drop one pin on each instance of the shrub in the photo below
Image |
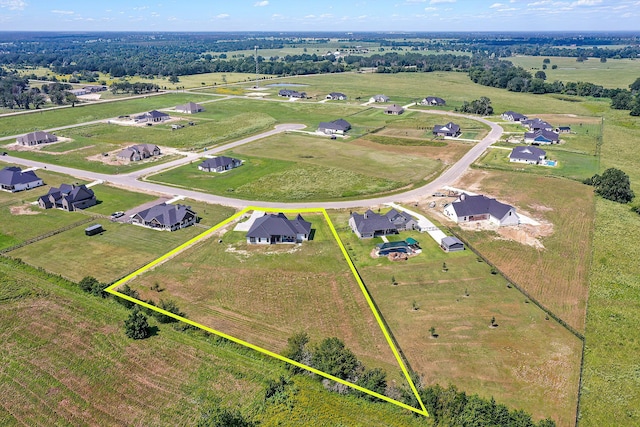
136	325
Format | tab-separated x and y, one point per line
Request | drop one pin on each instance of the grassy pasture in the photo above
48	119
66	361
559	285
611	74
299	167
491	362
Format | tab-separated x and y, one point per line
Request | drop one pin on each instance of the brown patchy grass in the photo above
449	154
546	274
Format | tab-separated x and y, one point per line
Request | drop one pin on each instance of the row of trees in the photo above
134	88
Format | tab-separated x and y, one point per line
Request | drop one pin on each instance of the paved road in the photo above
131	180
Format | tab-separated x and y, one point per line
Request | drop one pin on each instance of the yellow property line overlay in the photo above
112	290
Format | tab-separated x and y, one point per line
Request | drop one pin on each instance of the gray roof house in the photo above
339	126
165	217
512	116
139	152
379	98
563	129
153	116
394	110
480	208
371	225
13	179
337	96
402	220
433	100
450	129
36	138
68	198
526	154
219	164
536	124
541	136
189	108
272	229
451	244
288	93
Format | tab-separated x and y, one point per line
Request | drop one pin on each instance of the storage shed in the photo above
451	244
93	230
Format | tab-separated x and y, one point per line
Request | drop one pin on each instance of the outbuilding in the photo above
451	244
93	230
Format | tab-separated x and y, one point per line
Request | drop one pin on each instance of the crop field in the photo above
611	74
543	381
265	294
48	119
301	167
559	285
66	361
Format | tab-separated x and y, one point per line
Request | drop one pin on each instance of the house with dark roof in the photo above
394	110
165	217
68	197
433	101
371	224
481	208
536	124
272	229
541	136
288	93
337	96
339	127
36	138
451	244
95	88
379	98
401	219
563	129
139	152
219	164
189	108
527	154
153	116
512	116
13	179
450	129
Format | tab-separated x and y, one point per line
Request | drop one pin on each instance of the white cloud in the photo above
141	8
261	3
496	5
441	1
310	16
13	4
586	3
222	16
63	12
429	9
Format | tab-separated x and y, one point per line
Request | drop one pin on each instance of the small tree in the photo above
171	307
393	280
174	79
415	305
136	325
372	379
127	290
432	331
540	75
296	349
444	267
332	357
493	321
613	185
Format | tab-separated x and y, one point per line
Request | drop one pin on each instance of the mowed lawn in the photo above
121	249
65	360
559	285
302	167
265	294
526	362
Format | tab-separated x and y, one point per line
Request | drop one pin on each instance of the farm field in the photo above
615	73
235	288
543	382
567	214
301	167
82	370
127	246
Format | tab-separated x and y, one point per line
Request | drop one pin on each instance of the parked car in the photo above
117	215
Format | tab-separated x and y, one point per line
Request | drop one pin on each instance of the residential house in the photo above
189	108
541	136
153	116
78	92
536	124
139	152
529	155
36	138
433	101
379	98
165	217
401	219
337	96
68	197
371	225
563	129
394	110
339	127
288	93
277	228
451	244
512	116
95	88
450	129
481	208
219	164
13	179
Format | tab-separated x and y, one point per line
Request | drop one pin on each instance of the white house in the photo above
481	208
529	155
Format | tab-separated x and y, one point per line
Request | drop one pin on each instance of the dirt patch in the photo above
22	210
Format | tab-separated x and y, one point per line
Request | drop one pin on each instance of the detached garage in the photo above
451	244
93	230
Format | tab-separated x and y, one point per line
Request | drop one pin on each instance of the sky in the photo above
320	15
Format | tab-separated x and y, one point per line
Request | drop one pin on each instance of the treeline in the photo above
16	93
134	88
396	62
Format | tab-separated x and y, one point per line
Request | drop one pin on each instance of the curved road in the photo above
131	180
